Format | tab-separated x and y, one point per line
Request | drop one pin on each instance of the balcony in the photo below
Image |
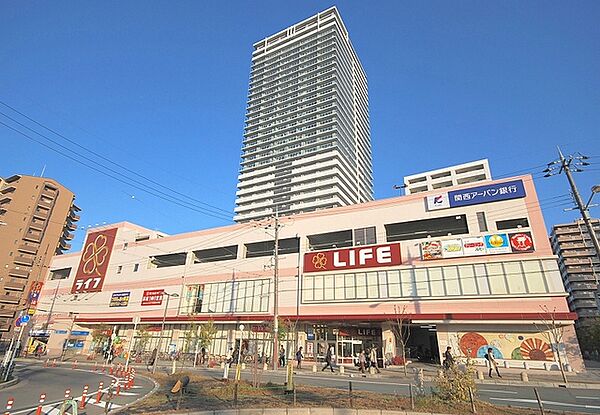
64	245
71	226
19	273
49	193
8	312
33	237
5	199
30	249
37	226
40	214
67	236
73	216
8	189
44	205
23	260
9	299
15	286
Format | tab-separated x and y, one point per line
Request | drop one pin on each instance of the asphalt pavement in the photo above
36	379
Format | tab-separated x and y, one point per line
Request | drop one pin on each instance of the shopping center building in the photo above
470	267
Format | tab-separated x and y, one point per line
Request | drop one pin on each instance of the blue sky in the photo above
160	87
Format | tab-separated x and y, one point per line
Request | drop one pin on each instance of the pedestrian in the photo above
152	358
299	357
362	360
448	358
281	356
229	357
202	355
492	360
329	357
373	355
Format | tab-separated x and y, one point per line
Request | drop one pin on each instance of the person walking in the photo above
448	358
229	357
373	355
362	360
492	360
329	357
299	357
281	356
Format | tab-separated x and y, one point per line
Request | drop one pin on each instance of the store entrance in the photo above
422	344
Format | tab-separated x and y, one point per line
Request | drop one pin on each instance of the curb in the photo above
9	383
152	392
304	411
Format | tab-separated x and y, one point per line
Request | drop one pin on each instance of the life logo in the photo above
438	201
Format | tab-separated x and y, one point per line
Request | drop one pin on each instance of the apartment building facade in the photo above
470	267
37	218
307	143
474	171
579	267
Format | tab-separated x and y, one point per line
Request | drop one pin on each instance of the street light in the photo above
238	369
162	327
595	189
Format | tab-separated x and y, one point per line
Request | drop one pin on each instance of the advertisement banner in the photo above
474	246
352	258
34	296
452	248
431	250
153	297
513	189
120	299
94	261
497	243
521	242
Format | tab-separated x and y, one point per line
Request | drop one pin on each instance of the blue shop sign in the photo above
513	189
60	331
79	333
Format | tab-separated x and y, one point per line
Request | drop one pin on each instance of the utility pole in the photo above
276	293
569	165
47	323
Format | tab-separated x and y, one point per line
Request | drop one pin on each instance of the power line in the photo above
107	159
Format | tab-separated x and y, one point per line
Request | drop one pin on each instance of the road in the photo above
557	399
36	379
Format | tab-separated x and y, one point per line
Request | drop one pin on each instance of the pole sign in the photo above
94	261
513	189
351	258
34	296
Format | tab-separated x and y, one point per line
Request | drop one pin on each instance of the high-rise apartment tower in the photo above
579	266
37	217
307	142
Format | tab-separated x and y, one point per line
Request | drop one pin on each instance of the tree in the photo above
143	337
457	382
100	335
207	334
554	332
401	329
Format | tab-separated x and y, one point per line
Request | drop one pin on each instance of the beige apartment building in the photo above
37	218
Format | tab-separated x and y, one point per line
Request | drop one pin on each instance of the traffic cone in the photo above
38	411
118	392
9	405
84	396
99	394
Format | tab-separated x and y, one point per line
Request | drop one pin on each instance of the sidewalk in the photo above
510	377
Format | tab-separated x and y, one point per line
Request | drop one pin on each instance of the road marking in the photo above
587	397
547	403
128	394
496	391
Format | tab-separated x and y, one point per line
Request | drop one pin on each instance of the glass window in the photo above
361	285
308	288
481	221
482	279
536	282
372	285
496	278
512	224
383	287
467	279
394	284
339	287
350	287
436	282
364	236
329	288
451	281
407	279
514	277
318	288
422	282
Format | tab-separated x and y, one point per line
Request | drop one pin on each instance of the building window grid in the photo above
451	281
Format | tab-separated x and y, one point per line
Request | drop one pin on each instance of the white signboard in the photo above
439	201
452	248
474	246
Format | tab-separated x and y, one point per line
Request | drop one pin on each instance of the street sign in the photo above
25	318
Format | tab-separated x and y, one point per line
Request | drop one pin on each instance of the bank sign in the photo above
351	258
513	189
